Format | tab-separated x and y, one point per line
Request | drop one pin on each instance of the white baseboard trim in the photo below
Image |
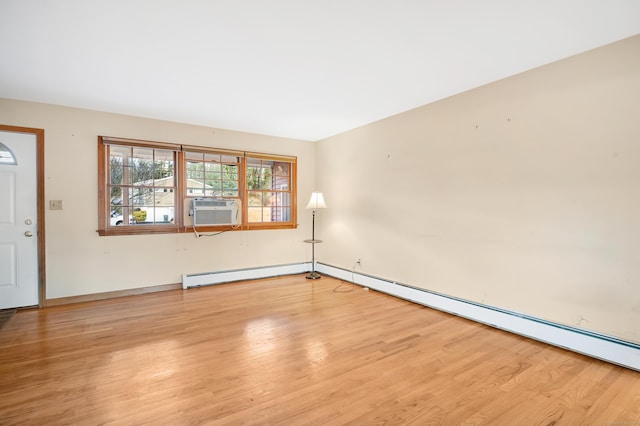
607	348
219	277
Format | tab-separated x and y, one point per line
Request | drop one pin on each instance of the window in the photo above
268	194
147	187
6	156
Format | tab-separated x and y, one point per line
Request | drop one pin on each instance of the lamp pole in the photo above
313	275
313	245
316	202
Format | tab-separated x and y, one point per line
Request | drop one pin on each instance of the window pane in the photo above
255	199
282	169
120	165
259	206
117	171
194	166
212	167
6	156
116	195
195	174
281	199
164	198
165	182
165	215
142	166
230	170
140	215
255	214
141	197
163	171
214	185
254	178
213	175
280	214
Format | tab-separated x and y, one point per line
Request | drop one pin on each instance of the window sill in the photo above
147	230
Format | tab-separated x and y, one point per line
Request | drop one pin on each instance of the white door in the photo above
18	217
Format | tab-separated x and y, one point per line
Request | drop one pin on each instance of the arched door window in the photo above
6	156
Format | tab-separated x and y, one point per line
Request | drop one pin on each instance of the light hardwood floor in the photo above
292	351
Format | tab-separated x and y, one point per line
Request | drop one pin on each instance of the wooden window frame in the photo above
180	173
292	191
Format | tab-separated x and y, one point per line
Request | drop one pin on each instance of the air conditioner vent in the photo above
209	211
211	203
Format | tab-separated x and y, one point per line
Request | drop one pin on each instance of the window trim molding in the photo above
104	228
110	140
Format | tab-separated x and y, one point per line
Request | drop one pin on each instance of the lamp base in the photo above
314	276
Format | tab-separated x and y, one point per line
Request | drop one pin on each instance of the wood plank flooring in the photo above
290	351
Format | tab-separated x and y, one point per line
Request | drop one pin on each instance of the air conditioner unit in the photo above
209	211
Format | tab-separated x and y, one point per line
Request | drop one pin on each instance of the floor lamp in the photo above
316	202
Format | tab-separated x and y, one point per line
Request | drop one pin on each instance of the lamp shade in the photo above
317	201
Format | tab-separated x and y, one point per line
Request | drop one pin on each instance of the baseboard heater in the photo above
219	277
595	345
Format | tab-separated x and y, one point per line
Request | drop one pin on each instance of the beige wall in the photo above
523	194
80	262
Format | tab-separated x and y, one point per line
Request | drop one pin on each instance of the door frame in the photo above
39	134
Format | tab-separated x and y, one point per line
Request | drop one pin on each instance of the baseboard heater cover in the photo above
595	345
220	277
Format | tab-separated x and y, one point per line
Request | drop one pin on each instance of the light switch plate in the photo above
55	204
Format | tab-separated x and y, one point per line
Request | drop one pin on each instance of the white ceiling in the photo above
305	69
